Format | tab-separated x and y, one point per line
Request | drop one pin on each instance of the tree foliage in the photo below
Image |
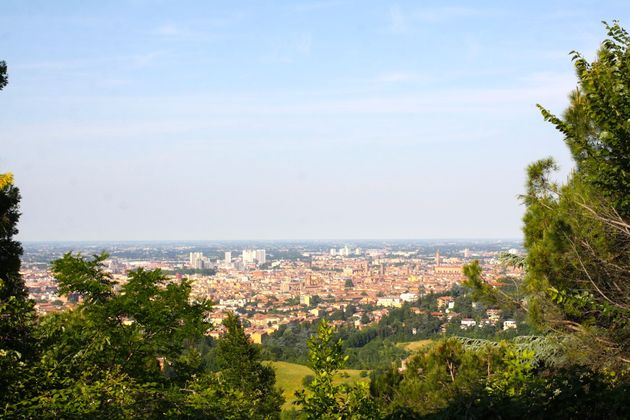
241	369
595	126
326	399
4	79
16	309
578	234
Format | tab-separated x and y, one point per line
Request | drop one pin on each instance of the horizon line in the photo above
497	238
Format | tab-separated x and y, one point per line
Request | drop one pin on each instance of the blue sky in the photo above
139	120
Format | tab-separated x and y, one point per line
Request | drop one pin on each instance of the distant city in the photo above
270	284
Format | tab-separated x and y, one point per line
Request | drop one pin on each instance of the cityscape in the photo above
289	283
315	210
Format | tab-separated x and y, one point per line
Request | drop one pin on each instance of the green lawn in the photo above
289	378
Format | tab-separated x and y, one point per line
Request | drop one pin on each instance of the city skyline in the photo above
284	121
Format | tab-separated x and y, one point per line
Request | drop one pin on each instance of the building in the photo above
467	323
408	297
509	324
391	302
261	256
450	271
198	261
257	336
446	301
251	256
228	257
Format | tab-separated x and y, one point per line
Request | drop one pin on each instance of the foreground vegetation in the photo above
291	377
139	350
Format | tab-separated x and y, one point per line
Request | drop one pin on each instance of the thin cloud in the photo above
398	21
398	77
304	44
144	60
168	29
310	6
289	51
403	21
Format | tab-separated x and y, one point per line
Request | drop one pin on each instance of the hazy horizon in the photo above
292	119
324	240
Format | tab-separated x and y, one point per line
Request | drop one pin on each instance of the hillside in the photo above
289	378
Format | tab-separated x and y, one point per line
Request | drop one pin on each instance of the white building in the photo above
389	302
251	256
467	323
261	256
198	261
408	297
509	324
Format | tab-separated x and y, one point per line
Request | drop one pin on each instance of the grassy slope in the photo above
412	346
289	377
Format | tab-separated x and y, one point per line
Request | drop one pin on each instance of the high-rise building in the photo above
466	253
437	258
228	257
249	256
261	256
197	260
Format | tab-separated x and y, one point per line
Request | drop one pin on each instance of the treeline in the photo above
530	377
137	353
377	345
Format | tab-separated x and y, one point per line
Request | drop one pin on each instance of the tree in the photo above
328	400
16	309
134	342
242	370
474	379
4	79
578	234
595	126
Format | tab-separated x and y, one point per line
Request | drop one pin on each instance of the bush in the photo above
306	381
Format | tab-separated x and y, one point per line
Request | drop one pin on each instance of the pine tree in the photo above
577	234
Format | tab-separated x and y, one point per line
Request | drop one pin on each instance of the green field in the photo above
289	378
413	346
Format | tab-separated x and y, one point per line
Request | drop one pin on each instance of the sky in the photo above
199	120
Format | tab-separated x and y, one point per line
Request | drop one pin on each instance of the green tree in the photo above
595	126
136	344
16	309
578	234
325	399
242	370
4	79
